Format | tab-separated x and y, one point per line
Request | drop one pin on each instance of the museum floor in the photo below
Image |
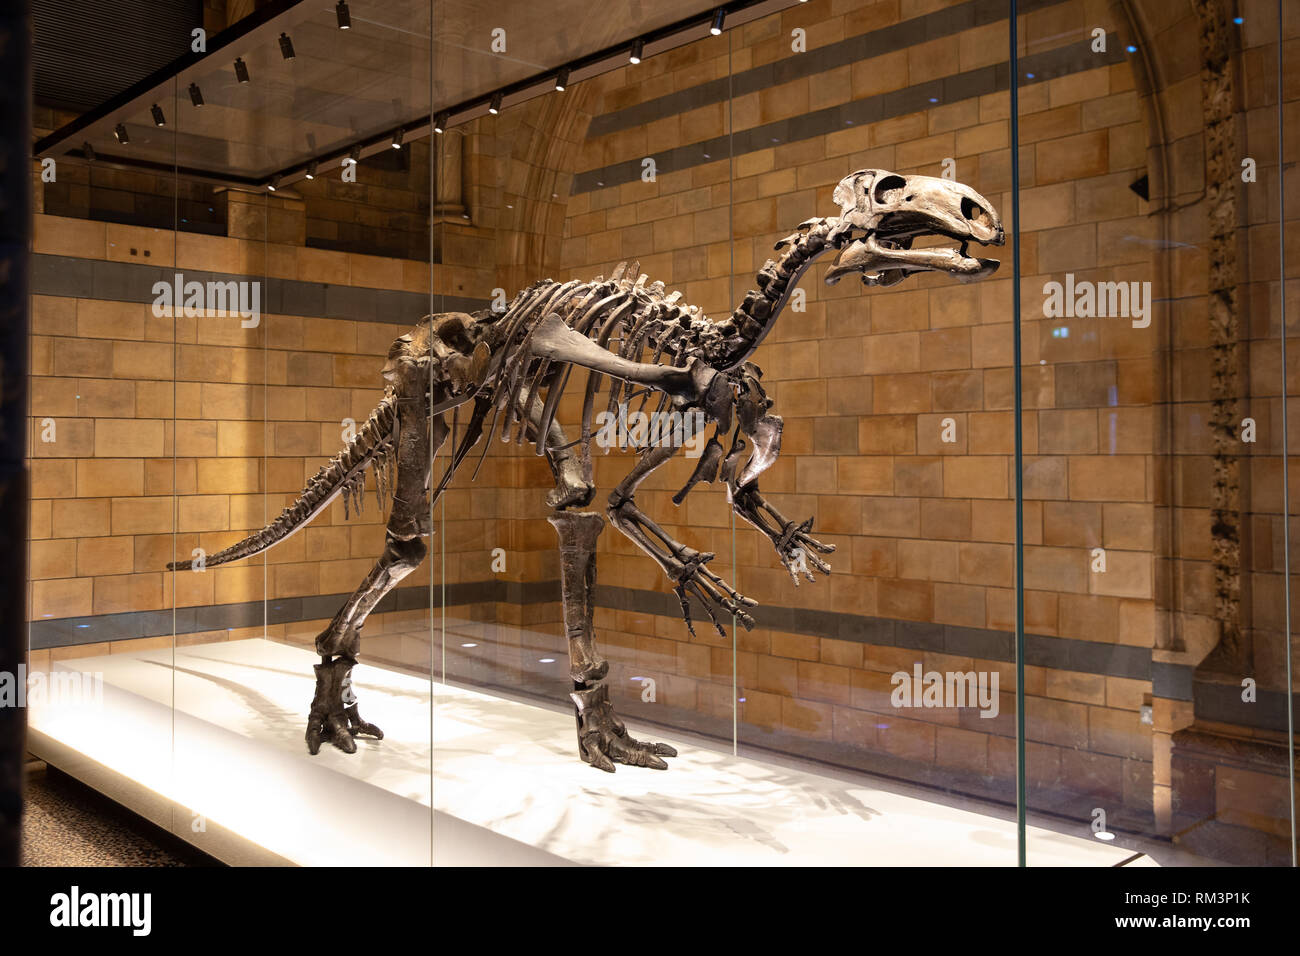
66	823
508	791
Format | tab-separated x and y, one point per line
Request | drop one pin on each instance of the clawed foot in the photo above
603	740
692	577
798	549
334	715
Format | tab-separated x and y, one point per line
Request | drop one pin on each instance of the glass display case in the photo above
408	382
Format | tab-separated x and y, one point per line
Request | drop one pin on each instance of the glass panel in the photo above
102	385
536	205
896	396
251	398
1156	715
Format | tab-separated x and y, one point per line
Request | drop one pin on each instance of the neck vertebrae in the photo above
750	323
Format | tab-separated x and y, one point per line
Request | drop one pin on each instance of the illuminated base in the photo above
230	773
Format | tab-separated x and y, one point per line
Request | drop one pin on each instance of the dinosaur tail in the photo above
345	474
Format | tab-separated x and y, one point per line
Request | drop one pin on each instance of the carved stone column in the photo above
1235	752
449	177
1222	166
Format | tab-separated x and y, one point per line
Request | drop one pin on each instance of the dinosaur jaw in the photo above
884	261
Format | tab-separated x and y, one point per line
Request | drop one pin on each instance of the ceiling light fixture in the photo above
397	140
156	112
311	170
273	184
345	17
241	70
88	151
196	94
494	107
638	47
286	46
440	123
354	157
720	18
562	80
119	133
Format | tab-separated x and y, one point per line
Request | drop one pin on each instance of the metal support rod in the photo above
1019	442
15	303
1286	478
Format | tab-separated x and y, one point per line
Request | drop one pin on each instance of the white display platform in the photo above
507	786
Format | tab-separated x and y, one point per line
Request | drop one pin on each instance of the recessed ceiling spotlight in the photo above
286	46
494	107
196	94
397	140
345	18
156	112
562	80
638	47
311	170
241	70
719	18
440	123
119	133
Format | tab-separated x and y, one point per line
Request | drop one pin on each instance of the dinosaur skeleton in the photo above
511	368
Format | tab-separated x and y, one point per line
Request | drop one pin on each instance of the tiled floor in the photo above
68	824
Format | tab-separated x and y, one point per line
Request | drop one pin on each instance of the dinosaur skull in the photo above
883	212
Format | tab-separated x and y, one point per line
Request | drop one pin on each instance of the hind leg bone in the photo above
333	715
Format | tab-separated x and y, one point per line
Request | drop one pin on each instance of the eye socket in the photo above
887	188
974	212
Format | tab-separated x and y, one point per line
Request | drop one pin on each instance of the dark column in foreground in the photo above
15	233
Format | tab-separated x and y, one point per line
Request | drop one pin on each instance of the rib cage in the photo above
623	313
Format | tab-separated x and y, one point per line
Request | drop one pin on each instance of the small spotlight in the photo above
440	123
638	47
273	184
156	112
562	80
88	151
397	139
354	157
495	106
345	18
286	46
196	94
119	133
241	70
311	169
719	18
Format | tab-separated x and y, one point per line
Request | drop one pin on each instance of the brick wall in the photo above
189	433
